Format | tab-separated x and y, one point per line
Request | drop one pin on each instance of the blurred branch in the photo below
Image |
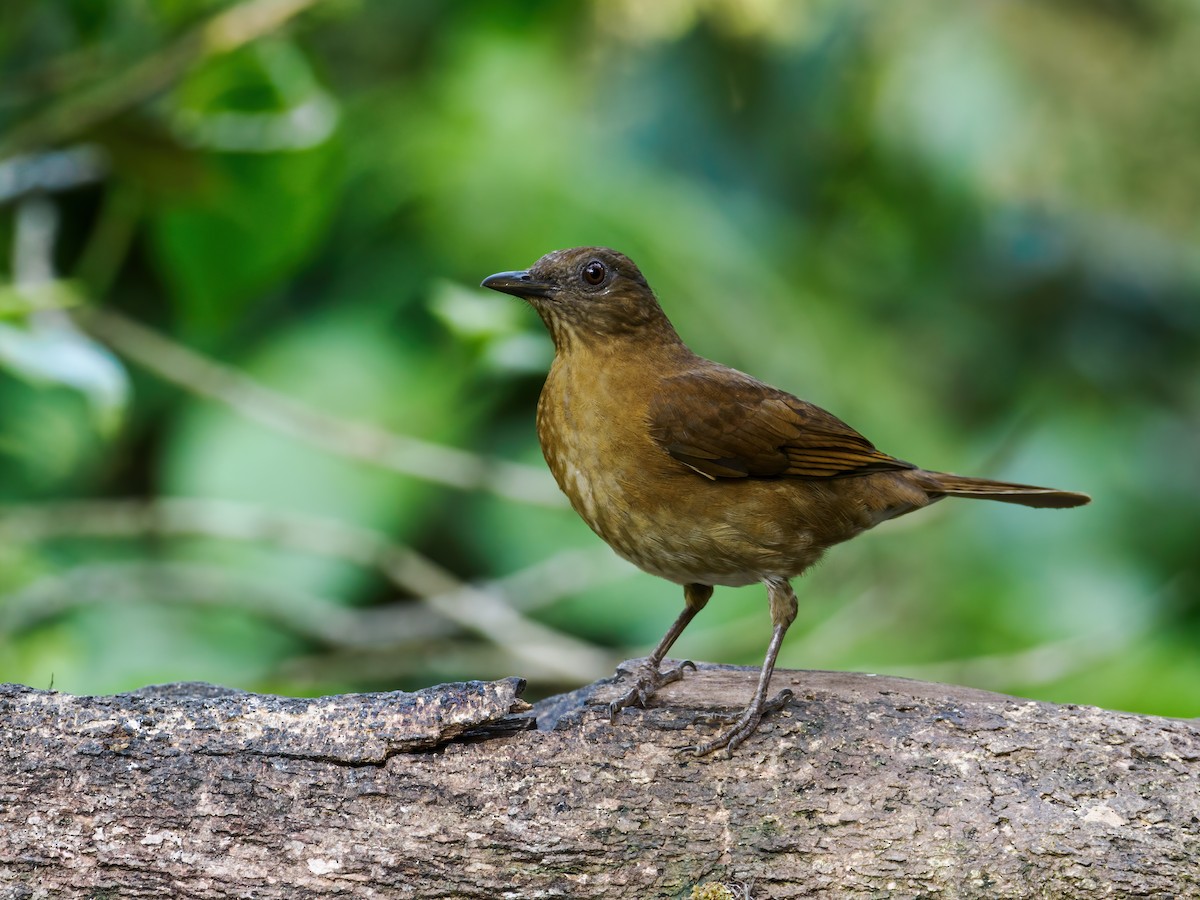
319	619
142	80
185	583
564	573
50	172
435	659
422	459
111	236
1040	664
481	610
35	229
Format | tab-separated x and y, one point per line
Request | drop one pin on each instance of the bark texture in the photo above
864	787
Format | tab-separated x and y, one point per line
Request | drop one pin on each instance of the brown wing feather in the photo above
725	424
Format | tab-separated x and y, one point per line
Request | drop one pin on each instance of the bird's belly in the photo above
723	544
683	527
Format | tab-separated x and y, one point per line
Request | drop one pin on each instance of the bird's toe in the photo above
745	725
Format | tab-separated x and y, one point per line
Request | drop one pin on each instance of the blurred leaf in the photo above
49	443
53	350
243	236
968	230
345	365
256	216
952	97
501	329
16	303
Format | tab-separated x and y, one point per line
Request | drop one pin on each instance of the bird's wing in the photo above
725	424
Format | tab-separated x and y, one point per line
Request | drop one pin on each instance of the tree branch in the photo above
864	787
484	610
199	375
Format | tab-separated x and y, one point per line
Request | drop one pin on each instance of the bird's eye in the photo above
594	272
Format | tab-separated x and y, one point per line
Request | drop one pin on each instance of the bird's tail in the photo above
941	484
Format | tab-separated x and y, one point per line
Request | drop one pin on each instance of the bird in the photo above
701	474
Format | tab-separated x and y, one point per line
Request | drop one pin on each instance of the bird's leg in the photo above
783	613
649	678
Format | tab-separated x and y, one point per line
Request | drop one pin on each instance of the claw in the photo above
649	680
779	701
745	726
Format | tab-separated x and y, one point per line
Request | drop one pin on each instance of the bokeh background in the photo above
259	425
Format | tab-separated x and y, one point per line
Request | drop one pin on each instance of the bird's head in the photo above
588	294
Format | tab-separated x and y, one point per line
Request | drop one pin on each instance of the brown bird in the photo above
699	473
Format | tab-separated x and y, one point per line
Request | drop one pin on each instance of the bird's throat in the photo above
598	333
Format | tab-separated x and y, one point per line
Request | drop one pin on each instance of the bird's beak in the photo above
519	284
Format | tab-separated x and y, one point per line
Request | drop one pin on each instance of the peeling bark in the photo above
864	787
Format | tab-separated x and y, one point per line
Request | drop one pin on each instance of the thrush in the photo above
699	473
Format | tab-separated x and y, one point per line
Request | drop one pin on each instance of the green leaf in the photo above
254	216
54	351
346	366
248	232
16	303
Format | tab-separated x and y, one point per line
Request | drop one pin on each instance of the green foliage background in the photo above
967	229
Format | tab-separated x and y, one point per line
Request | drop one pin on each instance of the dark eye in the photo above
594	272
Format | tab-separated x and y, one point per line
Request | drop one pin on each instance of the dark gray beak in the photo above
519	284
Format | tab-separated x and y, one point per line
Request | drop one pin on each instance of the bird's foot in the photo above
649	680
744	726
